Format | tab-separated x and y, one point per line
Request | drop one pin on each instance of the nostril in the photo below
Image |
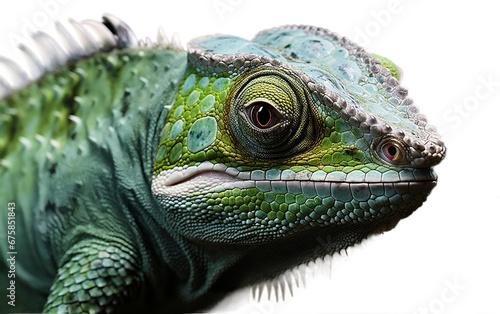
432	148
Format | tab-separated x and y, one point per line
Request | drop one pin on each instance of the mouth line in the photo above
223	174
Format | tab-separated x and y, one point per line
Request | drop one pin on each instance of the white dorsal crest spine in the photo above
83	40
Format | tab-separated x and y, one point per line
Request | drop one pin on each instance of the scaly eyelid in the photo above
261	99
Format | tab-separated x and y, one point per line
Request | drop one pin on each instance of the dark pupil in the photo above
392	150
262	115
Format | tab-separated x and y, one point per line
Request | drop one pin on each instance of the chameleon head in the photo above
296	135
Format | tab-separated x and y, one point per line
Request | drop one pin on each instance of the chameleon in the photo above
141	175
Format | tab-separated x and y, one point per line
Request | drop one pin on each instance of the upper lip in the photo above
356	176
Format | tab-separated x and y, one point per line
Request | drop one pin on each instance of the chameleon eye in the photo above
262	114
271	114
391	151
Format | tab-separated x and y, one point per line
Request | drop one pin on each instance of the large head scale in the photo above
292	136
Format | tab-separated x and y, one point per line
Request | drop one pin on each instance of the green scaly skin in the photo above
144	180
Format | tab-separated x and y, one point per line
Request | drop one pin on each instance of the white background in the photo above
445	257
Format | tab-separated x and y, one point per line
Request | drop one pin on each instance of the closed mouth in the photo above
219	177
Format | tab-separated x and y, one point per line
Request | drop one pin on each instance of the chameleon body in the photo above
145	176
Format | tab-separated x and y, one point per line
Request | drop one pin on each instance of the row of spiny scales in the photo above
85	39
280	287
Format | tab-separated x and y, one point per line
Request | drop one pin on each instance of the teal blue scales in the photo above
148	177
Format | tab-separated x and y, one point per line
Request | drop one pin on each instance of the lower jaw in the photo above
250	243
286	207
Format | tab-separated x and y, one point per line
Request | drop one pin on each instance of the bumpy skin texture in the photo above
151	177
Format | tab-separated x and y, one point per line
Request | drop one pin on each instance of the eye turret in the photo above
272	114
